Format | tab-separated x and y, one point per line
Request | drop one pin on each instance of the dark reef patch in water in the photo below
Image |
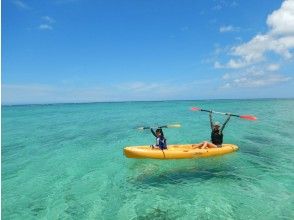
259	139
37	208
158	214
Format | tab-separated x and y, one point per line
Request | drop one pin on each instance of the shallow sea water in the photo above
66	161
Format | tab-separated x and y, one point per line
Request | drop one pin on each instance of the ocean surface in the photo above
66	161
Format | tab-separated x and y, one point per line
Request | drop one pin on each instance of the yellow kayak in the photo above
183	151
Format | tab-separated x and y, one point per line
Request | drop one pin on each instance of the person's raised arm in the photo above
227	120
210	119
152	131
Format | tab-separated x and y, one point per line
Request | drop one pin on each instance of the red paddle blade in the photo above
248	117
195	109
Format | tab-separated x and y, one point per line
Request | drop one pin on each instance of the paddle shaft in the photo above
163	126
144	128
222	113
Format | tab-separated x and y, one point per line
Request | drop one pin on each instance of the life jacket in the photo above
161	143
217	137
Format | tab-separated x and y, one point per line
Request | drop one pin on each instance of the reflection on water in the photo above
184	176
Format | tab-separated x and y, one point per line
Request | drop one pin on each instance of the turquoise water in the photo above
65	162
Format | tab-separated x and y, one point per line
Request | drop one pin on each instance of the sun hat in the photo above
216	124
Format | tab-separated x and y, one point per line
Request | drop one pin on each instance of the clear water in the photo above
66	162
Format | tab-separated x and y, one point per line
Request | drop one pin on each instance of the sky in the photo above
69	51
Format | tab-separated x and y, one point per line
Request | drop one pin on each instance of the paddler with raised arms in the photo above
216	133
160	139
217	129
159	135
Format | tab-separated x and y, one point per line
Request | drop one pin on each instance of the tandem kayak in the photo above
183	151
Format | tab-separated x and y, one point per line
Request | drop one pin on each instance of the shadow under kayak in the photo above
181	151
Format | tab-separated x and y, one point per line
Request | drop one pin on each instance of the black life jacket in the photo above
216	137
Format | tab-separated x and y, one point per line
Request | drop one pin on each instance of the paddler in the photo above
216	133
160	139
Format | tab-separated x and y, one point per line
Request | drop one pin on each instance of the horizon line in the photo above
126	101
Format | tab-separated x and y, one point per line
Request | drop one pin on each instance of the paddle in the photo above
247	117
163	126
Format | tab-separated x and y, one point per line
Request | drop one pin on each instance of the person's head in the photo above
159	132
216	126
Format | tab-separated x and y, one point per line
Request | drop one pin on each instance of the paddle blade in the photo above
195	109
174	126
248	117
